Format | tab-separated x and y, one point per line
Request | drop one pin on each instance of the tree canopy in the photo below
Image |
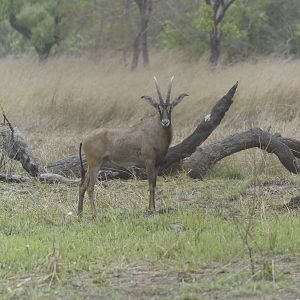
240	29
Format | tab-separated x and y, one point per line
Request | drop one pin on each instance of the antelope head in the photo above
164	107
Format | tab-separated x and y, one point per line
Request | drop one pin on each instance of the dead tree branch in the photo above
70	166
206	126
204	158
188	154
15	147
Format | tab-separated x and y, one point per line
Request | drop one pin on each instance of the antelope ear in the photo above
178	99
150	100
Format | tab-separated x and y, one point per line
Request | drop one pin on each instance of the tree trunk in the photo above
145	49
70	166
141	38
135	52
219	8
197	165
44	50
15	147
206	157
145	26
214	46
206	126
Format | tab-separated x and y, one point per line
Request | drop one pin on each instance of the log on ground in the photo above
204	158
70	166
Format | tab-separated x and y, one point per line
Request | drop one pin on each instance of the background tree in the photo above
199	28
37	21
228	29
219	9
141	35
266	27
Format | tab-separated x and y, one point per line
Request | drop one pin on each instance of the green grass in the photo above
198	249
207	253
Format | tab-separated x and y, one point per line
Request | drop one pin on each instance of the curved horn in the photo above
158	91
169	90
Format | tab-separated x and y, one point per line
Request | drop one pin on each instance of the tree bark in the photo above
135	52
25	31
14	178
206	126
141	37
15	147
145	27
219	8
44	52
199	161
215	40
70	166
206	157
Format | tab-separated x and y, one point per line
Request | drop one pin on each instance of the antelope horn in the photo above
169	90
158	91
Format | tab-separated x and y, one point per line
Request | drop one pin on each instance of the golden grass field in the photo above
55	103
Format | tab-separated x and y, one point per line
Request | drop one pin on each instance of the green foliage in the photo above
15	42
199	25
41	23
188	33
249	28
204	22
231	30
37	17
7	7
267	26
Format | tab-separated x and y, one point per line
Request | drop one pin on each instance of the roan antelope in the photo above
145	145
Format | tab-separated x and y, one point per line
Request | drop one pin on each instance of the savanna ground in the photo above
228	236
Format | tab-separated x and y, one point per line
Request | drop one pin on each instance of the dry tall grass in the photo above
75	94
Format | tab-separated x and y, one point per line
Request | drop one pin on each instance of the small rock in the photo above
177	227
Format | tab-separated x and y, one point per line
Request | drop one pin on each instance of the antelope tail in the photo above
82	170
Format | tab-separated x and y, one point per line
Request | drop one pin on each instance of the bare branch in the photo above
6	120
24	30
206	157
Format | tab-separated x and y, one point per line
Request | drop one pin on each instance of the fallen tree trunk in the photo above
293	144
206	126
70	166
15	147
14	178
204	158
188	154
